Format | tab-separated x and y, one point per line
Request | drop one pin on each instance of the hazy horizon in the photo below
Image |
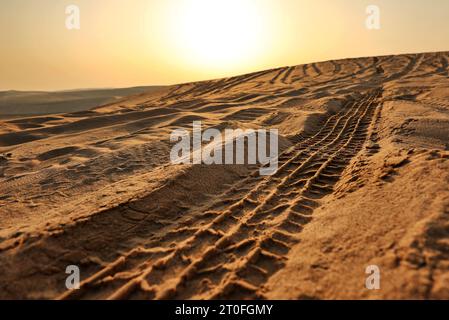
206	79
154	43
83	89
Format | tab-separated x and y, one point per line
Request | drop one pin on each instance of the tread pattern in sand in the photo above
248	239
179	238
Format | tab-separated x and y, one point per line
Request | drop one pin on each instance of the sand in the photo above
363	180
16	104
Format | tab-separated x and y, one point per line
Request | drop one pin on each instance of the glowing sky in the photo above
125	43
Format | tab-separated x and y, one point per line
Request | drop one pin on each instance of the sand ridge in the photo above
96	188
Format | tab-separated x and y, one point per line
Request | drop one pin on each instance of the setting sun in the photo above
218	34
141	42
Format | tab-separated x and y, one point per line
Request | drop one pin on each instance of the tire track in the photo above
208	214
237	81
194	258
172	92
289	212
414	62
337	67
286	78
278	75
349	76
305	72
316	69
284	75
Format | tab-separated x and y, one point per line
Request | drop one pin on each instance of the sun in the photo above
217	33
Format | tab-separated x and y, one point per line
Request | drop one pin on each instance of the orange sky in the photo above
124	43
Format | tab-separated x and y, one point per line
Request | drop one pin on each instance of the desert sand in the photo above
15	104
363	180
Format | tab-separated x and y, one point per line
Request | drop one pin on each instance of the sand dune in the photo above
21	103
363	180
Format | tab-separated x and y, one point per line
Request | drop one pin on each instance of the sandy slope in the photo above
363	179
24	103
